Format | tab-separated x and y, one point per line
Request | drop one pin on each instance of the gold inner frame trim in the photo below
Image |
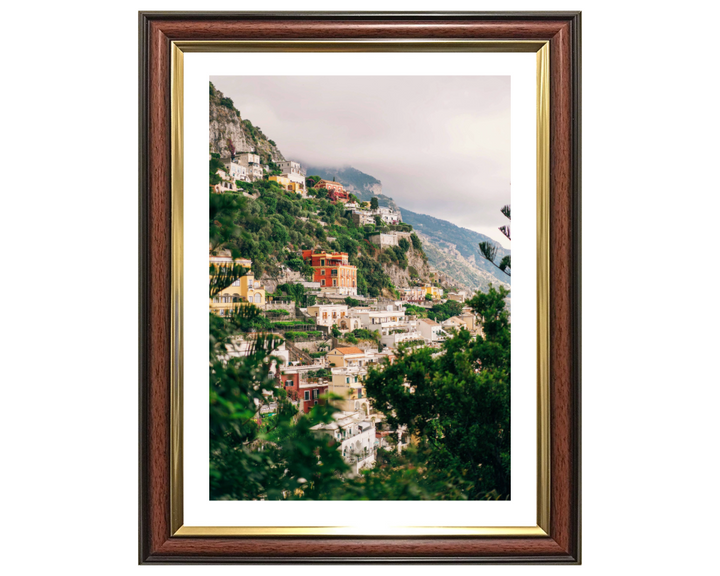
541	48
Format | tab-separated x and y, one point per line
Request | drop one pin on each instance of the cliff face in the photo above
401	278
226	125
465	273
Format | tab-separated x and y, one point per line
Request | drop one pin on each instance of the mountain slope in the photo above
452	248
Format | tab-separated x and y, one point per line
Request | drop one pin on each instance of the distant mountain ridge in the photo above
452	240
451	249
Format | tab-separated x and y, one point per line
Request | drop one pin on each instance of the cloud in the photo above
439	144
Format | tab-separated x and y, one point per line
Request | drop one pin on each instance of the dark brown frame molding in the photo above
157	31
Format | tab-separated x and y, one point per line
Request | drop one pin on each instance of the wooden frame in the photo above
159	542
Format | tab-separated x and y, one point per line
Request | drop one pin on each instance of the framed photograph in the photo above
382	383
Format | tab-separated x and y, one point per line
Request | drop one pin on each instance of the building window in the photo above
307	394
322	282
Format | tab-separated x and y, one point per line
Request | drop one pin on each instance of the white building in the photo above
380	320
238	171
338	290
293	172
355	438
389	239
246	158
251	162
459	296
393	337
362	217
413	294
226	184
328	314
388	215
431	331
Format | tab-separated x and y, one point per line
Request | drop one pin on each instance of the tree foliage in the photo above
457	404
252	457
488	250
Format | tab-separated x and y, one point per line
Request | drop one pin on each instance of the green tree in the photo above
416	242
374	204
441	312
277	457
457	404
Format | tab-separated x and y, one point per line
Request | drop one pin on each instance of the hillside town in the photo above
321	353
343	363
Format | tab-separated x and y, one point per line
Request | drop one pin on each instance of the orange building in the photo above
336	192
333	272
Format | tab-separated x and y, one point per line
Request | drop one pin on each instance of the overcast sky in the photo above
440	145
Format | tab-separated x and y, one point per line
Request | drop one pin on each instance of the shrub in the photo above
227	102
415	239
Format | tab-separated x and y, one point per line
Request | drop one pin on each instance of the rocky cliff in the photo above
464	273
228	128
417	270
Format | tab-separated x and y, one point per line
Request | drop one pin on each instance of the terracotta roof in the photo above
349	350
429	322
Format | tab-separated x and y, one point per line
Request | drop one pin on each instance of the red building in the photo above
332	270
300	389
336	192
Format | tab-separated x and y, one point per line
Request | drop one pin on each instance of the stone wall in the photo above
287	277
312	345
290	307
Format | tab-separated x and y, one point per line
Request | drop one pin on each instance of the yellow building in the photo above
284	182
295	187
348	384
244	289
434	291
346	357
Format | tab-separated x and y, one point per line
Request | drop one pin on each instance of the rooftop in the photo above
350	350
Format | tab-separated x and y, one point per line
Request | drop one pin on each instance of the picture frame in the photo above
163	38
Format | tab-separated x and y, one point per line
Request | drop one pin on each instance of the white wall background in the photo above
650	209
